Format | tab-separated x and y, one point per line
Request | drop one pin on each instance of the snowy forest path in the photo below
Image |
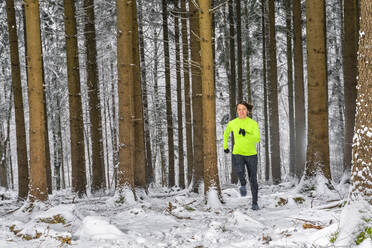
175	218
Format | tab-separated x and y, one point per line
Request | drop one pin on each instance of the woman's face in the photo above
242	111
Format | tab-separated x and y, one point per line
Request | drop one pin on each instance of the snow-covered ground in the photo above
178	218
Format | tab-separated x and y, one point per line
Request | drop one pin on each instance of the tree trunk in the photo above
4	142
8	152
126	95
57	165
273	99
106	114
232	86
48	169
46	144
4	137
47	149
318	141
239	51
186	78
38	183
351	34
248	54
76	109
149	168
211	180
264	65
168	97
98	167
198	162
139	139
292	137
58	151
114	130
299	91
22	159
362	143
157	112
181	171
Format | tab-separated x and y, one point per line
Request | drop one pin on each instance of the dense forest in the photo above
103	97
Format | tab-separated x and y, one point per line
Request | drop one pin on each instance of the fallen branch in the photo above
308	225
189	203
12	211
309	221
218	6
337	204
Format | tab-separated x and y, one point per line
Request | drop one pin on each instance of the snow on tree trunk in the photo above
362	141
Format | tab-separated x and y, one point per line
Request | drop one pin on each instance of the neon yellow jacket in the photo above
244	145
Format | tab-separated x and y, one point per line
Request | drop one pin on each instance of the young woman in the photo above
246	136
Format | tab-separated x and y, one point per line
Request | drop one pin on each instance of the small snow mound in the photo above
352	222
66	211
215	225
323	236
212	198
367	243
137	211
244	220
318	186
124	196
96	228
231	193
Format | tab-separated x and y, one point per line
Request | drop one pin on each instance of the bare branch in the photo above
218	6
196	5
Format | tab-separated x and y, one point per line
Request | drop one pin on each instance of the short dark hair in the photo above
249	106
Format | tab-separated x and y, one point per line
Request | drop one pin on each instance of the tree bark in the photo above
98	167
4	142
299	90
292	137
126	95
248	55
139	140
181	171
186	78
168	97
318	141
264	73
76	109
273	99
22	159
114	129
362	142
57	164
149	167
239	50
158	112
350	42
211	180
232	86
38	183
198	162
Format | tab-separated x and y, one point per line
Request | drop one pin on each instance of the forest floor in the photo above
178	218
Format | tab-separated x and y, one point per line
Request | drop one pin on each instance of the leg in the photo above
252	174
239	168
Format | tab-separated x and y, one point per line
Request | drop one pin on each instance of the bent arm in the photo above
226	135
